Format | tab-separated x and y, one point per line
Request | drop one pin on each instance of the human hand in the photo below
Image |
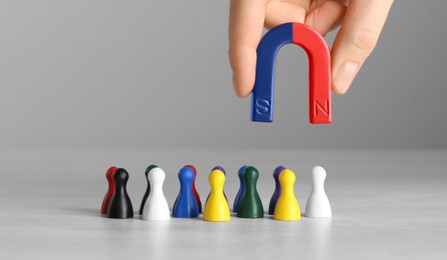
361	23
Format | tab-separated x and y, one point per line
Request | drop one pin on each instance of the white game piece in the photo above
156	206
318	205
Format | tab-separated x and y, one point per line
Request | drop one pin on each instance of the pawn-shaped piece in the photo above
110	190
156	206
318	205
216	207
220	168
185	205
194	190
277	192
287	207
237	200
251	204
120	204
148	187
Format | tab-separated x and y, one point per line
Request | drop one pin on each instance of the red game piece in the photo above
110	191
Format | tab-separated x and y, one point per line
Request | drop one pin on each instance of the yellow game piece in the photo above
216	207
287	207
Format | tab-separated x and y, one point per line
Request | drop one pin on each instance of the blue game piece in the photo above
237	200
277	192
185	205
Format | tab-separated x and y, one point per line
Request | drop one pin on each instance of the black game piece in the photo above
120	204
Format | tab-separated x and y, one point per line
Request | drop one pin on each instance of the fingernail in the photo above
345	75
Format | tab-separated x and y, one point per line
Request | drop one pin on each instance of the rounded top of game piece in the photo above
220	168
186	174
251	174
240	173
157	175
149	168
110	172
216	178
121	175
278	170
192	167
318	174
287	176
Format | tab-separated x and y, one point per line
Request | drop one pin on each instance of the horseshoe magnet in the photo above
319	72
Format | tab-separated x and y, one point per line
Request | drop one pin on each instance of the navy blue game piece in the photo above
185	205
277	192
237	200
120	205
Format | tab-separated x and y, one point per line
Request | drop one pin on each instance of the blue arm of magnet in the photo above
263	91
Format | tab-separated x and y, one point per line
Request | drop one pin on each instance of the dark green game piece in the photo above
148	189
251	204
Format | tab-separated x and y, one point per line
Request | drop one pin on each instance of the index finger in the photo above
245	30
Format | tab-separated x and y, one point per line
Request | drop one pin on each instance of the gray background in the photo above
155	74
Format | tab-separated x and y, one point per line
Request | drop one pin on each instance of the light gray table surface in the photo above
387	204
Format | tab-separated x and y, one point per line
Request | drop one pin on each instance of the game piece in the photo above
110	190
185	205
287	207
221	169
251	204
216	207
319	72
194	190
120	205
148	187
277	192
237	200
225	173
156	206
318	205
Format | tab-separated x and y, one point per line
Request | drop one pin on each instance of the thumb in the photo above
356	40
245	30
